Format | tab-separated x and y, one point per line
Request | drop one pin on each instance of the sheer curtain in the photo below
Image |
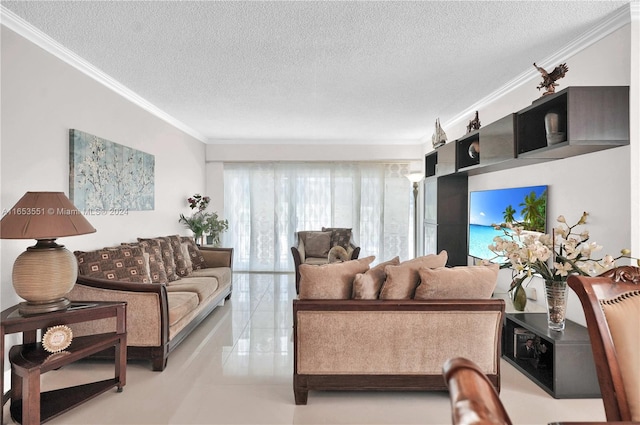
267	203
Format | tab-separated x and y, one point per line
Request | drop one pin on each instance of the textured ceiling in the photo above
313	70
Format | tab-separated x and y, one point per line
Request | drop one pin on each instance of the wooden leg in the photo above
301	396
30	396
121	362
159	363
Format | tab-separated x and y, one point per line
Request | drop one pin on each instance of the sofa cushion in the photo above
403	279
475	282
223	274
316	261
197	260
317	244
181	304
123	263
366	286
340	236
331	281
203	286
157	272
167	256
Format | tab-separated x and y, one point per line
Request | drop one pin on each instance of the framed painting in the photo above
108	177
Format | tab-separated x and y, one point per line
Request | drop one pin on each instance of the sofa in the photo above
352	333
169	283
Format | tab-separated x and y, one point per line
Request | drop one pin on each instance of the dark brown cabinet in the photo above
565	369
592	118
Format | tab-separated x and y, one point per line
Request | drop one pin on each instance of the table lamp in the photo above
45	272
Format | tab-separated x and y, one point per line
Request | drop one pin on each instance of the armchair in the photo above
611	304
312	247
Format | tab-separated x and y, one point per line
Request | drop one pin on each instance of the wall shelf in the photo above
592	118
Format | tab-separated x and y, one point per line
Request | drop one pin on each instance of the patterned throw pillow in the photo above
197	260
167	257
157	271
123	263
182	269
339	236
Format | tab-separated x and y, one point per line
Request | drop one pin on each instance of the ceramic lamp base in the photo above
43	275
31	308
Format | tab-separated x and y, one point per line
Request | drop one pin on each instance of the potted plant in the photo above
198	221
214	227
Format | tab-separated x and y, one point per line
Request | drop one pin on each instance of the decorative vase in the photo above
554	127
556	295
209	239
519	298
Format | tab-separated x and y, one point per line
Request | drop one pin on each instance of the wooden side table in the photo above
29	360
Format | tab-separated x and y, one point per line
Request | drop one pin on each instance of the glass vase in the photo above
556	295
519	298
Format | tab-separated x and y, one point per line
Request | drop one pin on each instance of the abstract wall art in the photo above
106	176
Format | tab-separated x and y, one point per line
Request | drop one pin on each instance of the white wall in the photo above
42	98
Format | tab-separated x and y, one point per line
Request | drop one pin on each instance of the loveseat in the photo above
169	283
352	333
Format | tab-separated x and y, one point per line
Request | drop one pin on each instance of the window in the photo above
267	203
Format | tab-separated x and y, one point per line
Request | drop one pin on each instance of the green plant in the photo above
215	226
197	223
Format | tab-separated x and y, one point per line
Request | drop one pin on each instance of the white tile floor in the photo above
236	368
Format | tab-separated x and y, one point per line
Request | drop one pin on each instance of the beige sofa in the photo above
159	315
398	342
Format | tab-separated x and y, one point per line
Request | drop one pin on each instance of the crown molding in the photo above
40	39
606	26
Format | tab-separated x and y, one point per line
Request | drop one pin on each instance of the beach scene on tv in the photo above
522	206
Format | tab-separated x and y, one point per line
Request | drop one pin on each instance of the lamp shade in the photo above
43	215
415	177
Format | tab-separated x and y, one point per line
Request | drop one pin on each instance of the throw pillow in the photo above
187	257
178	257
338	254
123	263
167	257
197	259
463	282
366	286
403	279
157	272
331	281
317	244
340	236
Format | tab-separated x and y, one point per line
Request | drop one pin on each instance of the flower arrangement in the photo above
200	222
553	257
198	201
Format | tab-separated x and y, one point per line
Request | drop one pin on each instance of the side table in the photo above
29	360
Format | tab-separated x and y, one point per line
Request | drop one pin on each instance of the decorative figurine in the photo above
549	79
474	124
439	138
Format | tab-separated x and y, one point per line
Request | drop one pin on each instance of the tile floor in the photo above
236	368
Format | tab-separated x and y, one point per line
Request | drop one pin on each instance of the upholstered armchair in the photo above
315	247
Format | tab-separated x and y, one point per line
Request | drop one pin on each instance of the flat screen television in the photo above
525	206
